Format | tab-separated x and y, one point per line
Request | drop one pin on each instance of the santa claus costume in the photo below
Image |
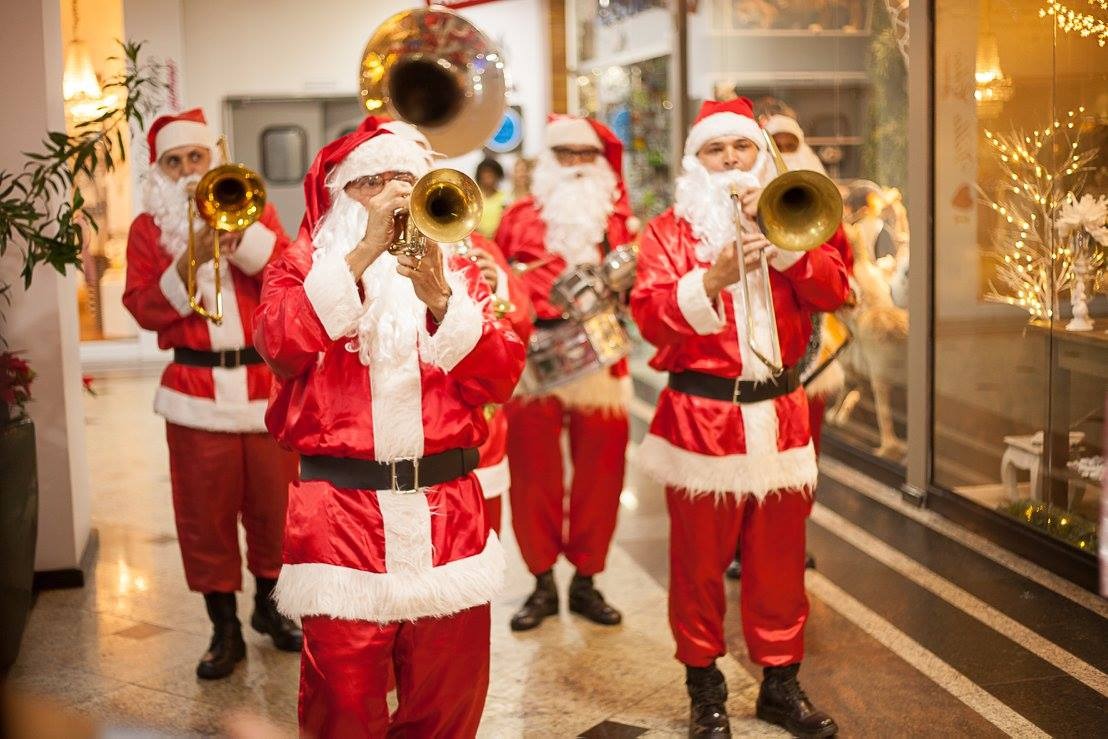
223	464
389	559
729	439
578	212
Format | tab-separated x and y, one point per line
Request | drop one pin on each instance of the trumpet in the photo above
797	211
228	198
436	70
445	206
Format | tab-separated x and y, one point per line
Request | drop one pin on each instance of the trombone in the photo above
228	198
797	211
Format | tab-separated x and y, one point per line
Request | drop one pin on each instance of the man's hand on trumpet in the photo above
381	198
725	270
428	279
487	265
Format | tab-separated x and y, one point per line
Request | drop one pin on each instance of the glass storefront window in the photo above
840	70
1021	122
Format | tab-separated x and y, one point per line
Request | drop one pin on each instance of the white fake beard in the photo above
703	199
575	203
804	158
389	328
167	202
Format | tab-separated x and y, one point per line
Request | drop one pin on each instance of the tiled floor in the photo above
885	655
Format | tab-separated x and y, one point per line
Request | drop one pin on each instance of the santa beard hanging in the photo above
575	203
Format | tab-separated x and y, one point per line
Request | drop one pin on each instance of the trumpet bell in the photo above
230	197
799	210
435	70
446	205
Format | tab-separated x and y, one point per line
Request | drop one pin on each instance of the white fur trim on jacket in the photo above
597	391
315	589
736	474
254	249
695	305
175	290
723	124
460	329
495	479
207	414
331	291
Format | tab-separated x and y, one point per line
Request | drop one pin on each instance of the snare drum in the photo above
559	354
618	268
580	293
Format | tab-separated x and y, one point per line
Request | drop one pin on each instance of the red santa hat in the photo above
189	128
731	118
565	130
366	151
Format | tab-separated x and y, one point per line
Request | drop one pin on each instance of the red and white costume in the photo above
733	472
493	471
538	229
380	577
223	463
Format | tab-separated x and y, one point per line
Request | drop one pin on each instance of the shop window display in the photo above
1020	318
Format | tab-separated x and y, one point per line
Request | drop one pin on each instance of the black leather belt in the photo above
549	322
732	389
228	358
406	474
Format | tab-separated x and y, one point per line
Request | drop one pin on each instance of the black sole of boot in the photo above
779	719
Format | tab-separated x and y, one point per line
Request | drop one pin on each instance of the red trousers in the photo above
441	667
218	478
598	448
770	535
817	405
494	512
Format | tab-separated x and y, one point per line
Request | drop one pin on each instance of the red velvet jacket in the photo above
230	400
710	446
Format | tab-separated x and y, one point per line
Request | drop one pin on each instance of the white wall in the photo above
42	322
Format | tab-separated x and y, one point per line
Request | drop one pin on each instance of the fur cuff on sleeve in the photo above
461	327
331	290
696	307
175	291
501	284
254	250
782	259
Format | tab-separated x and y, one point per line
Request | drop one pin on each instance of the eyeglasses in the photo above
567	156
380	180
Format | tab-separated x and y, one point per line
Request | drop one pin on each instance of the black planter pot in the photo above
18	532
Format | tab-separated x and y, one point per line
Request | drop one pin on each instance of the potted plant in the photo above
41	218
18	503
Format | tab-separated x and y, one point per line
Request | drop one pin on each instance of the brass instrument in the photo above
797	211
500	306
228	198
445	206
435	70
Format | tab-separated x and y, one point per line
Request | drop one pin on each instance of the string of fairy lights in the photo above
1078	21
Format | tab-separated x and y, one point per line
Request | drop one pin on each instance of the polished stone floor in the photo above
917	628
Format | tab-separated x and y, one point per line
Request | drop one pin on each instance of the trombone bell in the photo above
800	210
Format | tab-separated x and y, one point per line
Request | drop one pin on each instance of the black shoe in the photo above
585	600
782	701
810	562
541	603
227	648
284	632
735	569
708	701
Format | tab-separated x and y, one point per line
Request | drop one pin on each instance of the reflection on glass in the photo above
1020	128
284	154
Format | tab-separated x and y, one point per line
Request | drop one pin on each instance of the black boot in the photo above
283	631
541	603
227	648
708	697
585	600
781	701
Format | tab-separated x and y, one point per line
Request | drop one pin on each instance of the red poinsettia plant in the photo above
16	377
